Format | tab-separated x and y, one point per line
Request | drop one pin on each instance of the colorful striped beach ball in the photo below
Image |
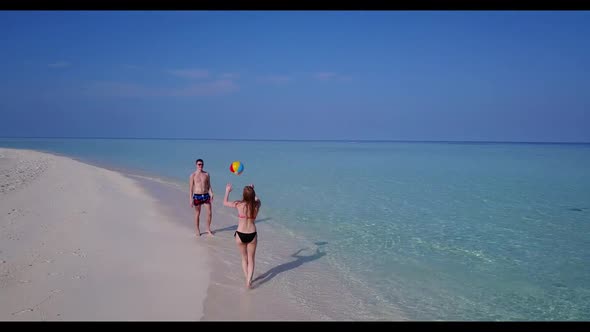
236	167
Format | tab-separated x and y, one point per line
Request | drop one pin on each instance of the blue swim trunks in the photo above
199	199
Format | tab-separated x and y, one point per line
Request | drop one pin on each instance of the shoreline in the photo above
215	288
292	281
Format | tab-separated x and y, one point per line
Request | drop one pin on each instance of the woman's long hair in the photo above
249	198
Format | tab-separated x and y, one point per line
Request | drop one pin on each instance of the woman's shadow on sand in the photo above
299	260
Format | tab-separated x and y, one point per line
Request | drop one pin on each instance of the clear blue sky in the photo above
469	75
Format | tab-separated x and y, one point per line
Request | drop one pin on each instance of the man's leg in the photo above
197	215
209	214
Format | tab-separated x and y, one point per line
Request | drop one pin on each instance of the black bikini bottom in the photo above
245	237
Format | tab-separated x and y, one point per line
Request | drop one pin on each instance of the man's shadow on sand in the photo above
235	227
299	260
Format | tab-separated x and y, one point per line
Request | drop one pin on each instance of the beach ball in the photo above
236	167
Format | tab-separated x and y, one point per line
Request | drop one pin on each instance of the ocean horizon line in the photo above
296	140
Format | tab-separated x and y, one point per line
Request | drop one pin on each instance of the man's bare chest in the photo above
200	178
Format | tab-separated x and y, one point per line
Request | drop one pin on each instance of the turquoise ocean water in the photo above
440	231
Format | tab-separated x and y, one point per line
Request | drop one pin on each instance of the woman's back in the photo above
246	218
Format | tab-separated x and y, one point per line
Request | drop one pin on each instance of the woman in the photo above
246	240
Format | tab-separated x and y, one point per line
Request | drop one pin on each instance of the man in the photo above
201	193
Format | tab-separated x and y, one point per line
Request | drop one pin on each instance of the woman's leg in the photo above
242	249
251	252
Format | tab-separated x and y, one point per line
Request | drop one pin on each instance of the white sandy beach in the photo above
78	242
